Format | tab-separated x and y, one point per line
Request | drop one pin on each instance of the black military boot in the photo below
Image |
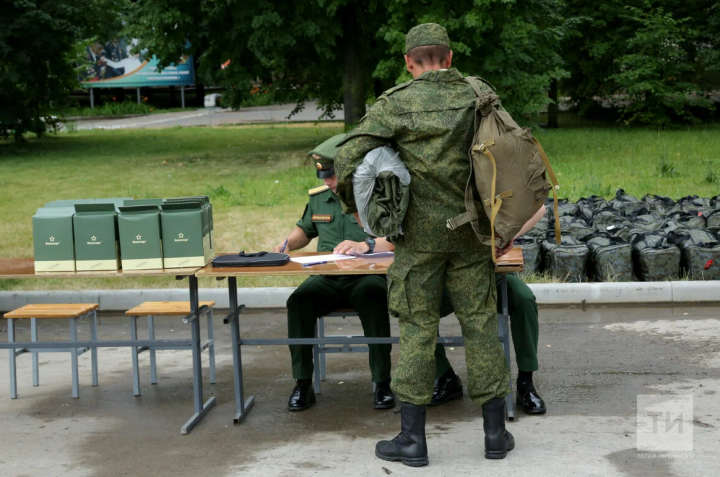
410	446
498	441
448	388
303	396
529	399
383	397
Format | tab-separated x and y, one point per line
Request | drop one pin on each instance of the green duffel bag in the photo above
531	253
647	222
700	251
712	219
610	258
693	203
715	231
689	220
567	261
654	258
626	204
660	205
588	206
620	232
606	218
715	202
576	227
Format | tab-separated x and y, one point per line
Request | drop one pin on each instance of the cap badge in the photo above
318	165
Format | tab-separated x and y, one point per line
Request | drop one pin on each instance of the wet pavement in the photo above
594	363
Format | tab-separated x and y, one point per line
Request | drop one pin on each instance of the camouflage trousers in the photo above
415	288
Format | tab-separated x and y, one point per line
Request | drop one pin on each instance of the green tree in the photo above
39	45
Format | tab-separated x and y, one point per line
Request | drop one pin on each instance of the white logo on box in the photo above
181	238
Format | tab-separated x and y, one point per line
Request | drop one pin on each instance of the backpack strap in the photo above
555	188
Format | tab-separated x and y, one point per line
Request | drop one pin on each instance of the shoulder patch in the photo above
318	190
397	88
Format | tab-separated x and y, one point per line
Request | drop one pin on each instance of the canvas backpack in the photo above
510	170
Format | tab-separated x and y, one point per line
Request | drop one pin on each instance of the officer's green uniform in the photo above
320	295
429	121
523	323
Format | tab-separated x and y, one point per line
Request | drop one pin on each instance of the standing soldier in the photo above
429	121
320	295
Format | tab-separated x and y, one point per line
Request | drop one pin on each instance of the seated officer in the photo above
320	295
524	331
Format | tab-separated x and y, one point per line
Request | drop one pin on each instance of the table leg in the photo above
242	407
200	408
153	362
509	402
211	350
94	351
35	364
74	360
134	350
13	361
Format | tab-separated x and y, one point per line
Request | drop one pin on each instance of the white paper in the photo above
322	258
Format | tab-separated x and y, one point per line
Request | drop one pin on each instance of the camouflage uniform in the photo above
429	121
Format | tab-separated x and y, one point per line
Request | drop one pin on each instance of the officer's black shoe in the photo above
384	397
529	399
410	446
303	396
498	441
448	388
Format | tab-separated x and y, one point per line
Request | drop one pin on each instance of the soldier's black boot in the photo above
498	441
410	446
302	397
383	397
448	388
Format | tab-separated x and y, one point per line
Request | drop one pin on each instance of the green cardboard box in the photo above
96	237
53	244
208	225
140	236
183	234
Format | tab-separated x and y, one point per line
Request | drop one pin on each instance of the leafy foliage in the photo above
39	45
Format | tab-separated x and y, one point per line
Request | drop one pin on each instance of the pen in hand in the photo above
284	245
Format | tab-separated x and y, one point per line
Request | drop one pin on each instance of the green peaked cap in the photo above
324	156
427	34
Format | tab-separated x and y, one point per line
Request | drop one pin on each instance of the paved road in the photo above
213	117
594	363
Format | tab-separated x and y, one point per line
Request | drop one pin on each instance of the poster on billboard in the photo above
113	65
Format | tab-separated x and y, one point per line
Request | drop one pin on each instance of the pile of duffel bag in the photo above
651	239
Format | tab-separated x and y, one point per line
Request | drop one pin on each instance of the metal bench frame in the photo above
68	347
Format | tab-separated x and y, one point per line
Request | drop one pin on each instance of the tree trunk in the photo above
553	107
353	79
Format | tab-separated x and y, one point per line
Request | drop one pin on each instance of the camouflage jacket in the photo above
429	121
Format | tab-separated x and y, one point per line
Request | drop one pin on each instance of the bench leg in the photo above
321	334
13	365
94	350
35	364
211	337
74	360
153	363
316	361
505	338
134	349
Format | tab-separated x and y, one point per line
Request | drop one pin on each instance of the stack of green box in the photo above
187	225
107	234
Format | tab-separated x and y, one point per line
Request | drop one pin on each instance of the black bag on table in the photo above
654	258
700	253
258	259
610	258
566	261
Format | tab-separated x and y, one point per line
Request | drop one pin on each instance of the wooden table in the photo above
24	268
511	262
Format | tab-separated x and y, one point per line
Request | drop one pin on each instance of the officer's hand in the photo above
499	252
349	247
277	248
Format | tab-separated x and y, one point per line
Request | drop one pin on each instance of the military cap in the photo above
324	156
426	34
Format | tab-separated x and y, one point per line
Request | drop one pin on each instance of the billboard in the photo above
113	65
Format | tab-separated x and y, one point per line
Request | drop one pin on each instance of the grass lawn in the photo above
258	177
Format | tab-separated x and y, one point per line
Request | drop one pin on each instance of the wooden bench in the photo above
72	312
151	309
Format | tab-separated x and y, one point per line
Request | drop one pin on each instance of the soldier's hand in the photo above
349	247
499	252
277	248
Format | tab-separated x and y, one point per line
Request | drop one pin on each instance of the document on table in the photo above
322	258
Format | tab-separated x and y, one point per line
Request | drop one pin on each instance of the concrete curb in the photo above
547	294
